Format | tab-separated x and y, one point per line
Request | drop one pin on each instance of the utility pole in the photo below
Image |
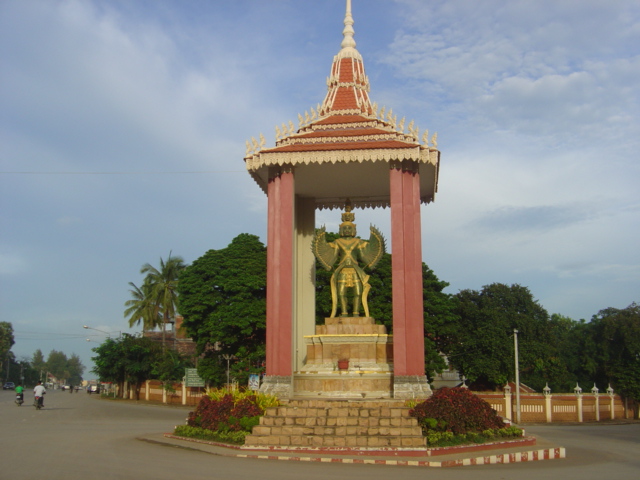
228	357
515	342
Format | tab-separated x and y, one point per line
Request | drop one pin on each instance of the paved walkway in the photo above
542	450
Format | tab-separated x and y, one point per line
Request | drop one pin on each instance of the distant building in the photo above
175	339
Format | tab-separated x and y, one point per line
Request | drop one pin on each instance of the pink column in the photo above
280	273
408	308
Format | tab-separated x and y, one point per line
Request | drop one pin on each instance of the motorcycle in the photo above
38	403
19	399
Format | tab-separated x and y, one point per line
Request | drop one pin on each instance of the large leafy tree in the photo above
38	362
75	369
223	302
134	360
65	369
565	363
6	341
617	331
21	371
482	346
169	368
57	365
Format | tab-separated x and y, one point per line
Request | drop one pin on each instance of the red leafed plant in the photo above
211	414
456	410
226	413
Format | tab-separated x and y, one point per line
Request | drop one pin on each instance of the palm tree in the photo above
163	284
140	308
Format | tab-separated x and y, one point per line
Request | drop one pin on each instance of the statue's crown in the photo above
348	216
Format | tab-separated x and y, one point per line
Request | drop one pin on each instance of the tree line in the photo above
222	297
28	371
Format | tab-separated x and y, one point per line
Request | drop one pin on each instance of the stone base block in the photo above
280	386
411	386
346	384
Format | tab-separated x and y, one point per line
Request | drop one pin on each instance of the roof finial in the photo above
348	32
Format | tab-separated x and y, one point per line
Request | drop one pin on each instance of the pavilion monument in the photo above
347	153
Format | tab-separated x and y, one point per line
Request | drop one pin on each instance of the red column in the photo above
280	226
408	308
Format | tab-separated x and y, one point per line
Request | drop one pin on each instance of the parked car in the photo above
9	386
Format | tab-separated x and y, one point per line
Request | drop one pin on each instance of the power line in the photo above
195	172
46	335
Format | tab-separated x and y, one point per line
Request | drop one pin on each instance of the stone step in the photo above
337	423
331	403
263	430
337	412
317	441
330	420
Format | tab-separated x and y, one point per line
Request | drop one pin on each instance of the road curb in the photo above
460	460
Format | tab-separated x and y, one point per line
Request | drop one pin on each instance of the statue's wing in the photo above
323	251
374	249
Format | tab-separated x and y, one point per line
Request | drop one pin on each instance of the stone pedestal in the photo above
359	340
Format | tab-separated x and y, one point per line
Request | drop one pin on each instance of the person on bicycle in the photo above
39	392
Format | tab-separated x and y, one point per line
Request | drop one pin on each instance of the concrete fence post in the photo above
612	402
578	392
547	402
508	412
596	396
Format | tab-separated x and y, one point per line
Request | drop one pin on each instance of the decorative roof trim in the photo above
418	154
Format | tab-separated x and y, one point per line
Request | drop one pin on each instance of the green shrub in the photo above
450	439
236	438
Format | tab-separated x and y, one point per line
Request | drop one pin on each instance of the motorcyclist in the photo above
20	392
39	392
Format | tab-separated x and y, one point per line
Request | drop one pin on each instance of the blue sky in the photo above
123	128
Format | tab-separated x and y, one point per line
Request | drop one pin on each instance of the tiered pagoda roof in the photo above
347	143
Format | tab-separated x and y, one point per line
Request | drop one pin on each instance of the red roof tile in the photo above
321	147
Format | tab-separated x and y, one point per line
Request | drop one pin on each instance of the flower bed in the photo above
455	416
226	415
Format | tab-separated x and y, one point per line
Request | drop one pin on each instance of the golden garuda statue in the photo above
353	256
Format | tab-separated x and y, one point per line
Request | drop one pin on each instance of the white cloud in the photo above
66	221
12	263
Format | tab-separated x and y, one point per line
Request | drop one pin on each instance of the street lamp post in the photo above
108	334
228	357
515	342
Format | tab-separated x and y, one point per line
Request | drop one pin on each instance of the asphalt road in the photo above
80	436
